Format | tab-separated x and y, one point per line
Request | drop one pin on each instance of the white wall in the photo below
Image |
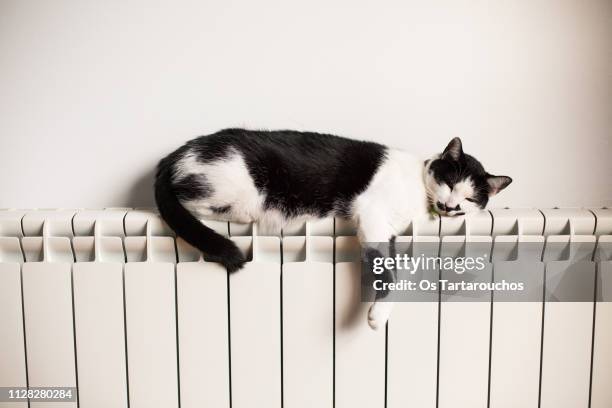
93	93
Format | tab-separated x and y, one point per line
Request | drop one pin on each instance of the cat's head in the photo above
457	183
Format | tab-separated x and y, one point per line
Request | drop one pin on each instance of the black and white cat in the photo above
278	177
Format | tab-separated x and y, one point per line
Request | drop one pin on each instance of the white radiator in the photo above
108	301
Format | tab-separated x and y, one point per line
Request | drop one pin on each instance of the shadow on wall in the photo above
140	194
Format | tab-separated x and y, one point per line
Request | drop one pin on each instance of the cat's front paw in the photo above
379	314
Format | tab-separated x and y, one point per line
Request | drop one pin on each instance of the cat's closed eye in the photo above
471	200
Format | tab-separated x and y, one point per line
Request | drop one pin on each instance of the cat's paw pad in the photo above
378	315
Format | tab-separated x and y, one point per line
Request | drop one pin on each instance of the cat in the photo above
279	177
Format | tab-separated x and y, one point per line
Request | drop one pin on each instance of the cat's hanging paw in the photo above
229	256
233	259
234	264
379	314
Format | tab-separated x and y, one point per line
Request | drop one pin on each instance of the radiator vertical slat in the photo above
412	359
47	298
464	355
464	335
202	332
412	344
601	391
255	318
308	312
360	351
566	355
516	341
100	334
568	322
151	328
515	359
517	323
12	347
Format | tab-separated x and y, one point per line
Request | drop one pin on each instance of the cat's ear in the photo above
497	183
454	150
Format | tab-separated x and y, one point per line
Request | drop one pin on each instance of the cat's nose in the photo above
444	207
449	209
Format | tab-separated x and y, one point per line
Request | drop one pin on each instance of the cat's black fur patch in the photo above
191	187
299	172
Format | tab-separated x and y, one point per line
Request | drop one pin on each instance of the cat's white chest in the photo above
395	195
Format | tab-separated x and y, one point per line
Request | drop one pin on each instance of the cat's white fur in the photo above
393	198
231	184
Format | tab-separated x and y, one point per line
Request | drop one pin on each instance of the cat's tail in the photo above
214	246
